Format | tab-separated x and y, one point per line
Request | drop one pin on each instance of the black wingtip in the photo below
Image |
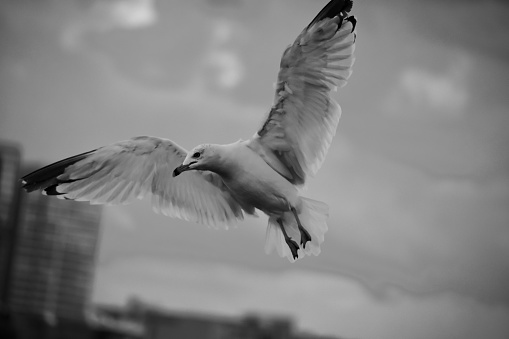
332	9
348	6
45	178
52	190
353	20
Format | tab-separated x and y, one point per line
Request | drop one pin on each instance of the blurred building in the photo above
160	325
54	258
139	320
47	256
9	195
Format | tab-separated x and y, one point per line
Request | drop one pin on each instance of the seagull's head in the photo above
199	158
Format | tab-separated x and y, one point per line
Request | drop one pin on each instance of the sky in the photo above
417	177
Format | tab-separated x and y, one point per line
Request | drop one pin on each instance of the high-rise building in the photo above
9	197
48	249
54	258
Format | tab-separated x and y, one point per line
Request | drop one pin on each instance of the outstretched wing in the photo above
126	170
302	122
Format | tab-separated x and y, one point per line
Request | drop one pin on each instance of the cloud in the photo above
457	23
321	303
229	68
395	224
440	92
105	15
431	93
217	65
222	57
129	13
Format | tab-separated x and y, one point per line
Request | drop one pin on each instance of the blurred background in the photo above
417	177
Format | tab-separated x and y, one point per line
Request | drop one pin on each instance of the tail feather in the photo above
313	216
46	178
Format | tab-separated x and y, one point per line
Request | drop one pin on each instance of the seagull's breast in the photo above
252	181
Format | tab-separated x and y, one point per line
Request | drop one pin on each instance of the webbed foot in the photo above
304	236
294	247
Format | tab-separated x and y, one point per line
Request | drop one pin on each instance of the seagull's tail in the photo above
313	215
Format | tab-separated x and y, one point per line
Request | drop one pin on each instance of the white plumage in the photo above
221	183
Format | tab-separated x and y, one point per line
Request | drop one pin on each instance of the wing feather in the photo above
131	169
297	133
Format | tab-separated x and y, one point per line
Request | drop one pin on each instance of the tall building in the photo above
48	251
54	257
9	196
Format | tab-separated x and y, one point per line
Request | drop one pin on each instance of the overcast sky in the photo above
417	177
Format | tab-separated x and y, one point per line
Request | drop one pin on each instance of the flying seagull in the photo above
217	184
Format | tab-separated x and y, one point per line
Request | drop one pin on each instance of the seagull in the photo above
218	184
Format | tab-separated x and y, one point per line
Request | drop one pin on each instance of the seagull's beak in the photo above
182	168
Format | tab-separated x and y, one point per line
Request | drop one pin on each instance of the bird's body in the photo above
217	184
253	182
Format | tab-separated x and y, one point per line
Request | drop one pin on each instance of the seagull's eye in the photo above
196	155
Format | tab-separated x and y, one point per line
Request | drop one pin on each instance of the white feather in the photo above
304	118
128	170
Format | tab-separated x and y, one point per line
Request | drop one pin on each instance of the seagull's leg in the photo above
291	244
304	234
